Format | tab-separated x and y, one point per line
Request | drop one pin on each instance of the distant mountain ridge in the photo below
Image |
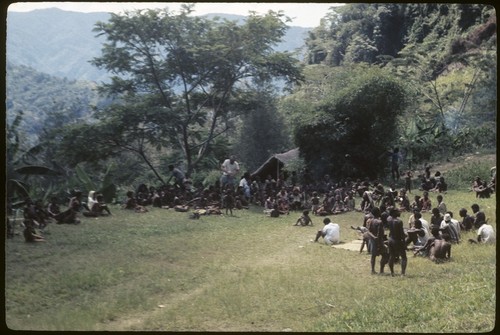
61	43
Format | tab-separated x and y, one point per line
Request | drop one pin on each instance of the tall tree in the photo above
262	131
448	68
176	74
354	125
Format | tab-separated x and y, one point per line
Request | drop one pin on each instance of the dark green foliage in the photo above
22	170
359	121
369	32
48	103
182	100
262	132
451	65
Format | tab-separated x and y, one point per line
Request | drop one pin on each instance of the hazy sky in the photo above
305	14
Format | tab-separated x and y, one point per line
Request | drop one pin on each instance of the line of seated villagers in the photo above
323	197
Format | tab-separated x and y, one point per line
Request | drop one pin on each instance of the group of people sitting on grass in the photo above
384	235
36	215
322	197
482	188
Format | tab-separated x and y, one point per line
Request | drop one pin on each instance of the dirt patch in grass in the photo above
354	245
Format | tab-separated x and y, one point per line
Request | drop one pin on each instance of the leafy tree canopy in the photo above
177	74
353	127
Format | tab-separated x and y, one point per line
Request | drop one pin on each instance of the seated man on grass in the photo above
30	234
440	251
330	232
485	234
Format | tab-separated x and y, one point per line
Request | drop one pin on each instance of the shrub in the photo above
461	178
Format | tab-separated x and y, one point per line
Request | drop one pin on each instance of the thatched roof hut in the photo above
274	164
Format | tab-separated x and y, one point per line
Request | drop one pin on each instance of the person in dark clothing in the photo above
467	220
178	176
480	217
395	158
30	234
376	243
397	245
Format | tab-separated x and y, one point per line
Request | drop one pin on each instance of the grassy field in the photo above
161	271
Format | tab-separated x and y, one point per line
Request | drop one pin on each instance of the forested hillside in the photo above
442	55
191	90
53	75
47	102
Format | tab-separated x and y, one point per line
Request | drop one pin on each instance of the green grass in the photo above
161	271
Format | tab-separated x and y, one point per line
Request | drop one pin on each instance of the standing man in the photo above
230	169
178	176
397	245
395	159
376	242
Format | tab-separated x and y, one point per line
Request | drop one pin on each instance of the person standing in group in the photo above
397	245
395	159
245	185
178	175
228	200
230	168
376	244
408	181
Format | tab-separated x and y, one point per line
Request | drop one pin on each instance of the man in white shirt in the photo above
230	168
486	234
330	232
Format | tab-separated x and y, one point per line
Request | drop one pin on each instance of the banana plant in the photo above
20	170
105	186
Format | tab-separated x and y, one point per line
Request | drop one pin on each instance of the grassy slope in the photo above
163	271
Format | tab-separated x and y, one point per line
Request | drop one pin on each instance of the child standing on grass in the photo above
408	177
315	201
228	201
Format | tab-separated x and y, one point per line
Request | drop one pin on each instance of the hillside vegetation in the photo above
420	77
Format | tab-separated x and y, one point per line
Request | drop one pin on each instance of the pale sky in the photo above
305	14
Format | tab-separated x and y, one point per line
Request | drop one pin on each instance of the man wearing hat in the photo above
449	229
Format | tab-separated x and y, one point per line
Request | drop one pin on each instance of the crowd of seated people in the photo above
322	197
